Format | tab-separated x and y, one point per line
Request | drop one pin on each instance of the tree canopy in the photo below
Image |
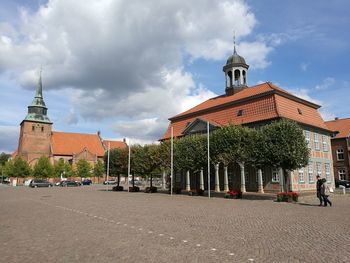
43	168
285	145
191	153
83	168
99	169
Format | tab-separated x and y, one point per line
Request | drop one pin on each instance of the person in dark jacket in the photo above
318	189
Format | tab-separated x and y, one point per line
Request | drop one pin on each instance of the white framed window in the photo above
340	154
310	170
324	143
301	175
257	175
319	169
341	174
316	142
275	176
327	171
307	138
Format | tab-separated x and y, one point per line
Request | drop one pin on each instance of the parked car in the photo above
39	183
86	181
69	183
136	182
110	182
343	183
4	180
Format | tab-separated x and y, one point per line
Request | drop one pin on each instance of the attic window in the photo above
300	112
240	113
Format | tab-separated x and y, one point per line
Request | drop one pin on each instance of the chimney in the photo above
99	133
124	140
336	118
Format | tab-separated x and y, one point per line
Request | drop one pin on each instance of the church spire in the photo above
37	111
39	88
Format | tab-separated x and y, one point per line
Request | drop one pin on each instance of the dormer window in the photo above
240	113
300	112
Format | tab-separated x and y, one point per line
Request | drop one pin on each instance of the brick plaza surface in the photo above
89	224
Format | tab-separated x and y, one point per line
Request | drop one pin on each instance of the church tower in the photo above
35	134
235	73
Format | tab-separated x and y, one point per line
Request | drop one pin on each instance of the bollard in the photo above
343	188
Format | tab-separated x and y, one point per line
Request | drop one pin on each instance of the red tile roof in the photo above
258	103
340	125
114	144
65	143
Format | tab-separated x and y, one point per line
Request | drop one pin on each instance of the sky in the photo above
123	67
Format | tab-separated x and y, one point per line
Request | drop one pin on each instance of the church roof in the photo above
65	143
114	144
255	104
342	126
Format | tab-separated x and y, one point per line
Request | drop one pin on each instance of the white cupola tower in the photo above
235	73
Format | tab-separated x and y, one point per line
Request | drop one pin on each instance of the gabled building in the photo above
255	106
341	147
37	138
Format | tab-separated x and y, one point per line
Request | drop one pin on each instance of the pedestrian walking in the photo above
325	192
318	189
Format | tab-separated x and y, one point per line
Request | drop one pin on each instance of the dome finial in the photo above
234	42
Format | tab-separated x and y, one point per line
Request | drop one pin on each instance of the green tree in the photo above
4	157
61	168
99	170
8	169
118	162
43	168
21	168
147	160
190	153
286	146
83	169
231	144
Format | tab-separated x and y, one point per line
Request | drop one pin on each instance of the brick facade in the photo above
34	141
341	164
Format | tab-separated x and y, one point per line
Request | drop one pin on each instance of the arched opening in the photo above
229	79
237	77
244	73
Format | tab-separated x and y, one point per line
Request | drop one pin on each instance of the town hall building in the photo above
255	106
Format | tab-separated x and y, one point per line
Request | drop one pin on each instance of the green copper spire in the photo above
37	111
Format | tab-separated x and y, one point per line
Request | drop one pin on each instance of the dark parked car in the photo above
4	180
86	182
39	183
343	183
69	183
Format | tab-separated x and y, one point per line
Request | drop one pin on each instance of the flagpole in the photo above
109	148
208	159
172	161
129	166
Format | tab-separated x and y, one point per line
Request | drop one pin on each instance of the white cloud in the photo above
304	94
123	60
326	84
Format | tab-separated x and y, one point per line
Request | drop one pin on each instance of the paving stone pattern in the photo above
89	224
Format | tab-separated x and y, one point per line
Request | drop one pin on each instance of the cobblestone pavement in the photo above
89	224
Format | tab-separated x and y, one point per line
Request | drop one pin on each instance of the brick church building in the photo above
37	138
255	106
